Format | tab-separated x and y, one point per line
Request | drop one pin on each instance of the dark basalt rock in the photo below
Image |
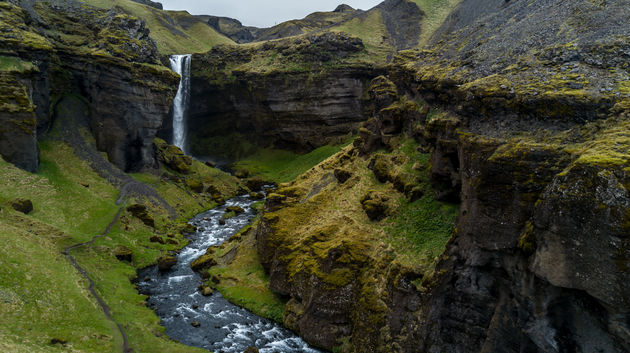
22	205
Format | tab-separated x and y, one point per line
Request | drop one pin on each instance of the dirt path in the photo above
101	302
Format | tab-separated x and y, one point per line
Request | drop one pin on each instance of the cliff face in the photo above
533	146
306	105
113	68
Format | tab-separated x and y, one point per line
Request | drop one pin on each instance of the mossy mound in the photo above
173	157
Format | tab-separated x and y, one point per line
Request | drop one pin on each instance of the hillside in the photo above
175	32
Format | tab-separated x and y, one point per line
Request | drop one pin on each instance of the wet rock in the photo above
235	209
222	221
204	262
22	205
195	324
141	212
256	195
206	291
167	262
123	253
251	350
255	183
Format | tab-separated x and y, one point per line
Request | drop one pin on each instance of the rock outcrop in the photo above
298	108
114	69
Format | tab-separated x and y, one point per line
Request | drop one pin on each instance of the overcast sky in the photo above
261	13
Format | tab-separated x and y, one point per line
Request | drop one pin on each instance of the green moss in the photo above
527	241
175	32
15	64
282	166
243	280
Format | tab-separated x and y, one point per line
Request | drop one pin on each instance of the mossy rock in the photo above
275	201
195	185
382	168
255	183
22	205
241	173
236	209
173	157
157	239
257	195
204	262
166	262
206	291
251	350
342	175
405	182
376	205
142	213
123	253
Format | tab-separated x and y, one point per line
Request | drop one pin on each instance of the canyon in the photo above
460	183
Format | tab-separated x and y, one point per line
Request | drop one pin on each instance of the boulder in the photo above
22	205
235	209
173	157
166	262
204	262
257	195
195	185
255	183
375	204
382	168
206	291
141	212
123	253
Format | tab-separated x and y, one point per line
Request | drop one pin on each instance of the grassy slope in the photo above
373	33
196	38
243	280
41	295
436	12
282	166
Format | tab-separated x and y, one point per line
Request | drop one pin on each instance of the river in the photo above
223	327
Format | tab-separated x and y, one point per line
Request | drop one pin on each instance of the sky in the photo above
261	13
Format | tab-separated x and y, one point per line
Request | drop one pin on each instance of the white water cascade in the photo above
181	65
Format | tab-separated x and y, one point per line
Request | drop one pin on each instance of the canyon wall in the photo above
118	75
306	104
530	138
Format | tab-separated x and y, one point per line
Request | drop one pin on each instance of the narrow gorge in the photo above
417	176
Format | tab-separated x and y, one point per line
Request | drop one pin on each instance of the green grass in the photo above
15	64
196	38
243	280
419	230
436	12
373	33
41	295
282	166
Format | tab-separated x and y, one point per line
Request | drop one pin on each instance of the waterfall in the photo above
181	65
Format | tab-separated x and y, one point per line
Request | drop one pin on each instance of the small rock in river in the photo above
195	324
